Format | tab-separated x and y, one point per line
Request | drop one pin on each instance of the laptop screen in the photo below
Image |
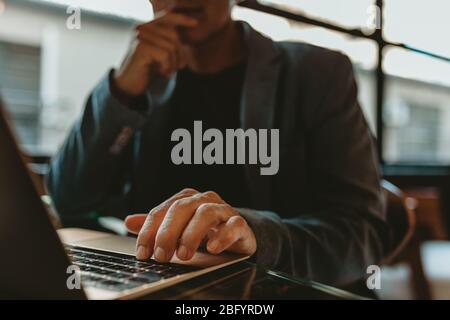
33	260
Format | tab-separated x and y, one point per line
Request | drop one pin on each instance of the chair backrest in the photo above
402	219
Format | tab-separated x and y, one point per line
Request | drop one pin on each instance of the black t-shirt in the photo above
215	100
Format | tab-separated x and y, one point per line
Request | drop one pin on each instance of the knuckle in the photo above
188	191
178	204
144	233
155	213
208	212
206	209
211	195
162	238
238	221
146	227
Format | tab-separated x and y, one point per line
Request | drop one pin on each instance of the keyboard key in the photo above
117	273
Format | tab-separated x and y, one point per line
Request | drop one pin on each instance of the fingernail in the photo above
213	245
183	252
160	254
142	252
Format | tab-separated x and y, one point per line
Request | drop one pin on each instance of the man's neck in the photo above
222	50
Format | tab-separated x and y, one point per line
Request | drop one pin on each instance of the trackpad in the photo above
112	243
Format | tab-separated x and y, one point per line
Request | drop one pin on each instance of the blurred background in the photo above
398	48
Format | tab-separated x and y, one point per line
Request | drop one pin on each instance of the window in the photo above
362	52
410	116
421	24
417	101
413	134
416	109
419	140
19	87
349	13
411	82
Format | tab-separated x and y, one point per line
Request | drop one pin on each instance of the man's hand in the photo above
181	223
157	51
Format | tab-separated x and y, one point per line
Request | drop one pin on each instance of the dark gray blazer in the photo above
320	217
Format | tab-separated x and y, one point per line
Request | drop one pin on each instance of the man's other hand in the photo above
181	223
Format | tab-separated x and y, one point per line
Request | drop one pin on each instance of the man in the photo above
320	216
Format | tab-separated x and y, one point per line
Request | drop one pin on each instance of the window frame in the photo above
381	44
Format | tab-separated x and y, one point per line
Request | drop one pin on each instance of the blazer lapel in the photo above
259	99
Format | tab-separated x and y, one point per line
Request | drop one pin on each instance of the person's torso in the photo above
295	92
208	102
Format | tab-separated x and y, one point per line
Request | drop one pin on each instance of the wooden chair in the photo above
401	218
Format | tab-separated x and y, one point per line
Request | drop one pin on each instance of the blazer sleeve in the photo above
346	231
88	175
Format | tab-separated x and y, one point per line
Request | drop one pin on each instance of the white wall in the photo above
73	61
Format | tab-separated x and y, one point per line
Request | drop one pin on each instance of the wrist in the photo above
119	92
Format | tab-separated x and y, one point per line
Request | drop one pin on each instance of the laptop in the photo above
39	262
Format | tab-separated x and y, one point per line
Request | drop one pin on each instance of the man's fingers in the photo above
207	217
233	236
164	60
157	55
162	34
168	45
176	220
182	222
135	222
146	238
170	34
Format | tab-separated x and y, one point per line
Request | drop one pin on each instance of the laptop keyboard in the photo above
117	272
